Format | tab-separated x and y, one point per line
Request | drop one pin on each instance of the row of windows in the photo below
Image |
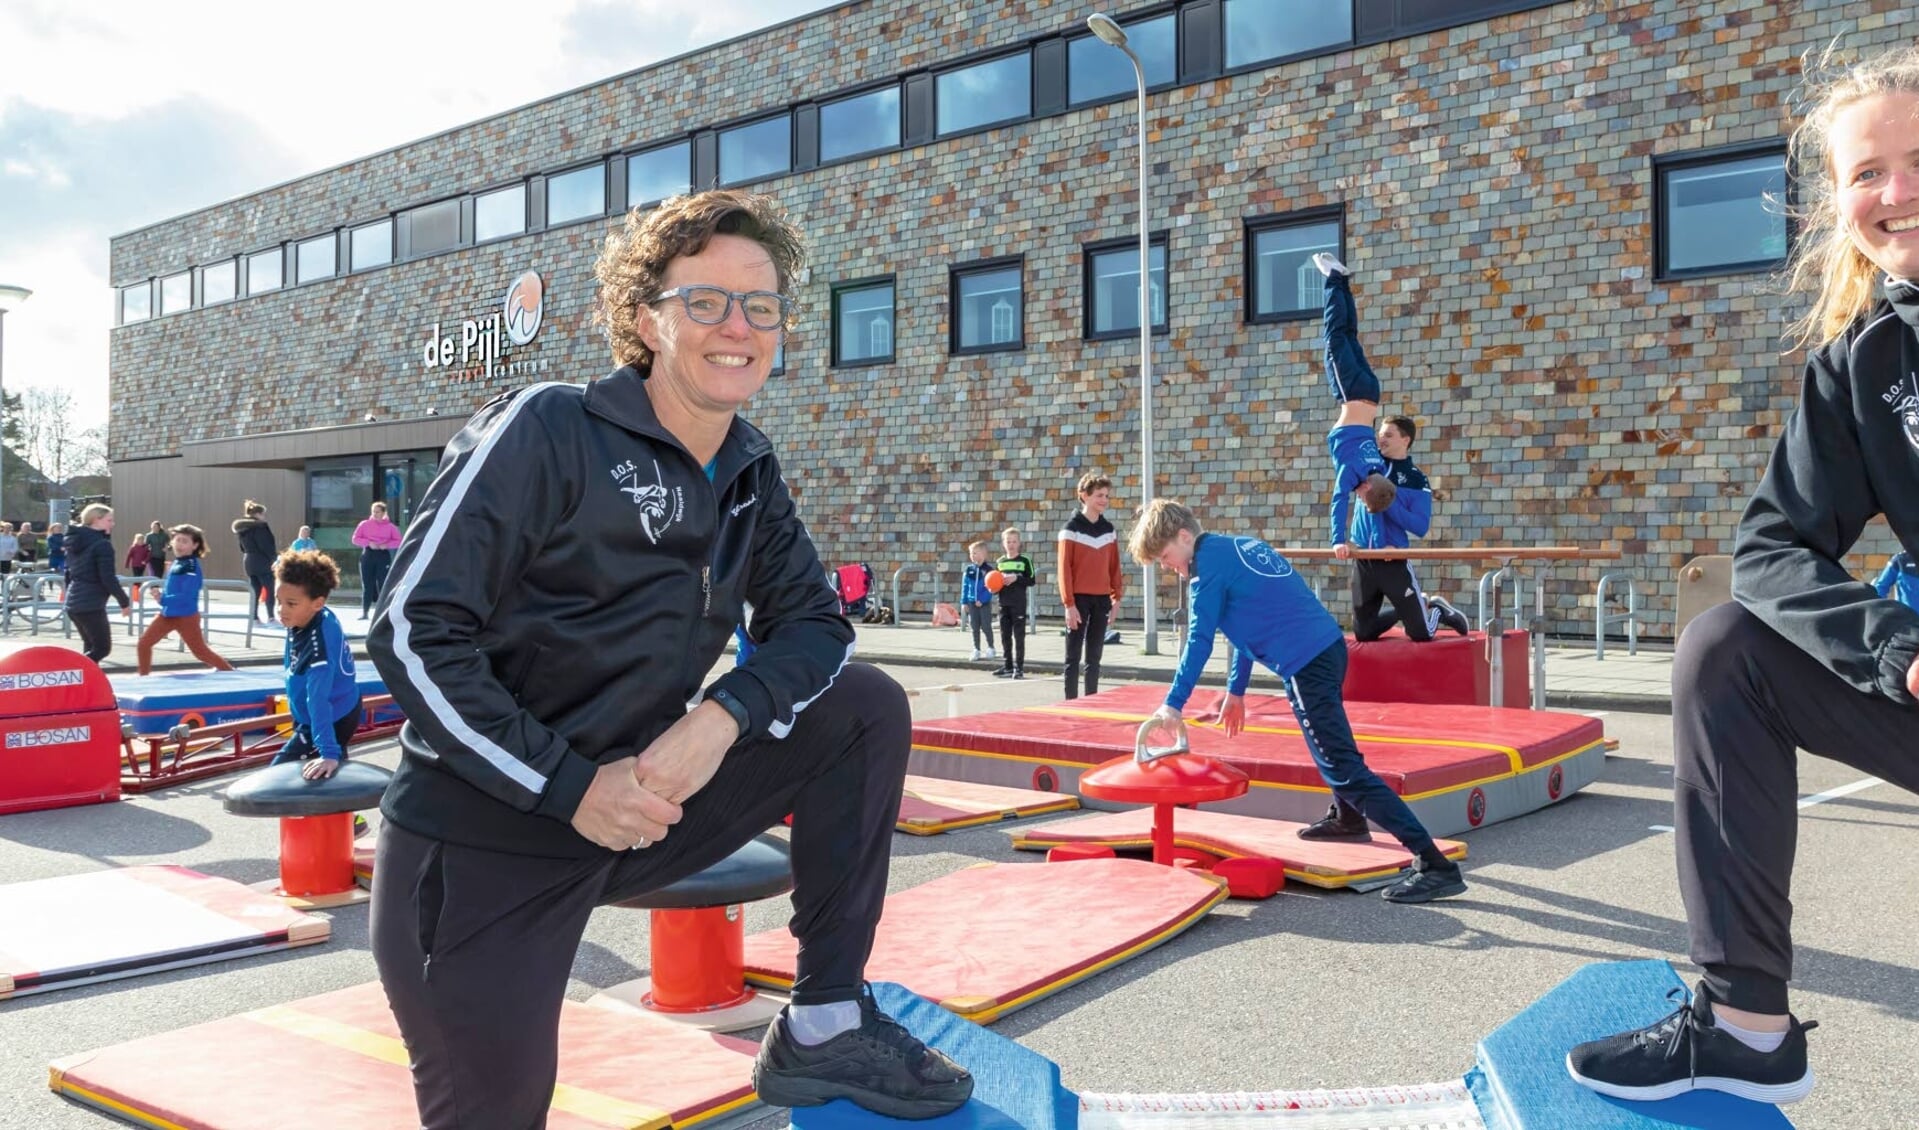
987	300
964	97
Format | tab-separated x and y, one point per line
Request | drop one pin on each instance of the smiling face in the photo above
1393	443
1875	168
712	369
1096	502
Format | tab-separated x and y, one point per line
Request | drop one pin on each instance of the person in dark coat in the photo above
91	579
257	552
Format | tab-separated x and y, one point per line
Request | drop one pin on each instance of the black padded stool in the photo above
699	941
316	824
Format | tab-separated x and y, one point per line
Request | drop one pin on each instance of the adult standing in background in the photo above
257	551
9	547
377	538
29	544
91	579
158	542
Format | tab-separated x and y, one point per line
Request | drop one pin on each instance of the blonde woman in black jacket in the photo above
257	552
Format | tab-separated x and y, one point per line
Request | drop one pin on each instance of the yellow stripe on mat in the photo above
1512	754
95	1098
591	1105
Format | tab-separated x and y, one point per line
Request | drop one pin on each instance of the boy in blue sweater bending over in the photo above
322	693
1243	587
1899	580
1398	504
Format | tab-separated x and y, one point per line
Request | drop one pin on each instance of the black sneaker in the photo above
1427	881
879	1065
1451	617
1002	672
1020	674
1339	825
1688	1051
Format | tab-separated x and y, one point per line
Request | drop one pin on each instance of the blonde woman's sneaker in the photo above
1688	1051
878	1065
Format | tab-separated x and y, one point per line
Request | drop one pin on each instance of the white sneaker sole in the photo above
1758	1092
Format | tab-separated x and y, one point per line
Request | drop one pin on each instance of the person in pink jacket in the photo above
377	538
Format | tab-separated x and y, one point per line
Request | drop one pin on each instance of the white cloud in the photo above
118	113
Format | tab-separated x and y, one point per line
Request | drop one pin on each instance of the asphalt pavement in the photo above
1308	989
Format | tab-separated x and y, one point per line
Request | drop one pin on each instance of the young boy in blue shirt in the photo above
322	693
1900	580
1243	587
976	601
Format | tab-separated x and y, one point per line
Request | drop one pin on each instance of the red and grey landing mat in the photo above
1458	767
1230	835
1519	1081
339	1057
931	806
80	929
988	940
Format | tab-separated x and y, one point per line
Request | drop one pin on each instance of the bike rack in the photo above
1630	615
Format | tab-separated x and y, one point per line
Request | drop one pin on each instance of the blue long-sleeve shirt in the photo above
321	687
973	588
1356	455
1410	515
1900	580
181	595
1243	587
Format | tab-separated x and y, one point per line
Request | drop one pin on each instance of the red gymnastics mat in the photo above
80	929
931	806
988	940
1459	767
1232	836
340	1059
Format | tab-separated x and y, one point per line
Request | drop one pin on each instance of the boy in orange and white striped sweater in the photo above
1090	580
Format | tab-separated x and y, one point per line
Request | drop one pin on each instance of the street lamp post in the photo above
10	297
1111	33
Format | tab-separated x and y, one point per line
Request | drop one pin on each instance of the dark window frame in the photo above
246	271
526	211
981	59
120	303
792	147
546	190
1664	163
1161	239
293	254
1143	16
655	147
1254	226
833	347
819	123
1350	42
957	271
392	246
160	289
200	291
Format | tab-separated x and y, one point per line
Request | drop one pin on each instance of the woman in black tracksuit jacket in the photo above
257	551
1806	657
91	580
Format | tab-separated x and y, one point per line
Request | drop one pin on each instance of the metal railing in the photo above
899	610
1630	615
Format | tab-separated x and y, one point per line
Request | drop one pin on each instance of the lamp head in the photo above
1108	31
12	296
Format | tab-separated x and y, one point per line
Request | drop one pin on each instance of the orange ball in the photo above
995	581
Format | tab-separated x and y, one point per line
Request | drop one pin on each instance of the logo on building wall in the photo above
483	348
525	306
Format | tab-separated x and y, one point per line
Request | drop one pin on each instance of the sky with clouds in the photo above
117	113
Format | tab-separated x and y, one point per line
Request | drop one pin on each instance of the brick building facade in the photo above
1503	188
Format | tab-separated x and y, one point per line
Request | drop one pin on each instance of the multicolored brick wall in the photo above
1496	181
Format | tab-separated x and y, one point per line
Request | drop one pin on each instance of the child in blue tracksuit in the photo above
976	601
1900	580
322	693
1243	587
180	603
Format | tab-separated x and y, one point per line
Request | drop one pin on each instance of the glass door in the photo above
402	480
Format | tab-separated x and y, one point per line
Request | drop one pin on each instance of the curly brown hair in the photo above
636	256
307	569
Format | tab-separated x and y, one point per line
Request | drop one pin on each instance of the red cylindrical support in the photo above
1163	834
316	854
699	960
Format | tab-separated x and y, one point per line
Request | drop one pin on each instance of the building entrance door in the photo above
401	479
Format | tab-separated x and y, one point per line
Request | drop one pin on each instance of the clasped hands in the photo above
634	802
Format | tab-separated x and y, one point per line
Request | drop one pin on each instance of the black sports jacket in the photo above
1849	454
566	584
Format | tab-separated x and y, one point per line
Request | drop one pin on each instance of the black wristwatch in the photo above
733	706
